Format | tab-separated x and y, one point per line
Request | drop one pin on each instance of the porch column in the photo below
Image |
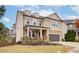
48	35
27	31
60	37
31	33
41	33
76	35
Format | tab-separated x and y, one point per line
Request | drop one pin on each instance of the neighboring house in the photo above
32	24
72	26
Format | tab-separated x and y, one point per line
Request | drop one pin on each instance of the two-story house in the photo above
34	25
73	26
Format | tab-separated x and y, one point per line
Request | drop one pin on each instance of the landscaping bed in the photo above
46	43
7	42
35	41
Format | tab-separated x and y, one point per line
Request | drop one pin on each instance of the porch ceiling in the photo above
39	27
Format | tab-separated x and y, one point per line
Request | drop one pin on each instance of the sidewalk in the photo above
72	44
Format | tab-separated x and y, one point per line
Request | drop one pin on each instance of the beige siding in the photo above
27	19
19	26
54	16
36	21
31	20
54	32
64	29
46	22
58	27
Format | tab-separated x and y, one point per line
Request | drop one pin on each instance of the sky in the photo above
64	11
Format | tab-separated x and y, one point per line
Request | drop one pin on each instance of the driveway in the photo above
72	44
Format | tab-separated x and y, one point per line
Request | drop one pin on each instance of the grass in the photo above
34	49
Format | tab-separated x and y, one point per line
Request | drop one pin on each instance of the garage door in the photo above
54	37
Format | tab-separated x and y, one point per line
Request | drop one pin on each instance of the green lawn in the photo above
34	49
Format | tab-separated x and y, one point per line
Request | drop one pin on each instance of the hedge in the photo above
70	36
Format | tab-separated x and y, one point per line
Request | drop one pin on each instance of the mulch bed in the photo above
37	43
55	44
6	44
33	44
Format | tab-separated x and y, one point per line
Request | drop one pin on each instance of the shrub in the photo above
45	39
33	41
77	40
6	40
63	40
2	40
10	40
26	40
70	36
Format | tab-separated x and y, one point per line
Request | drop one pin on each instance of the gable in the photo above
54	16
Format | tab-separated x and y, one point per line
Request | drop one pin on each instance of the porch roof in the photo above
37	26
76	29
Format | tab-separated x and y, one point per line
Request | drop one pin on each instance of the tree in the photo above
1	27
4	34
70	36
2	10
3	30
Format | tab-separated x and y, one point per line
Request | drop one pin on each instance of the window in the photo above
40	23
28	22
34	23
54	24
70	25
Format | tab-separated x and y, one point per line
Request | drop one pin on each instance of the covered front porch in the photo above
36	32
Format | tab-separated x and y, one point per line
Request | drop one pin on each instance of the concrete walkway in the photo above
72	44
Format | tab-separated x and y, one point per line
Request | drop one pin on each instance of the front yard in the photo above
34	49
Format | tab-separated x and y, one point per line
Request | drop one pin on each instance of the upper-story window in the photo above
34	23
70	25
54	24
28	22
39	23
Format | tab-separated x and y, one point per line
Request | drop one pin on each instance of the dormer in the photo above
35	14
28	12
